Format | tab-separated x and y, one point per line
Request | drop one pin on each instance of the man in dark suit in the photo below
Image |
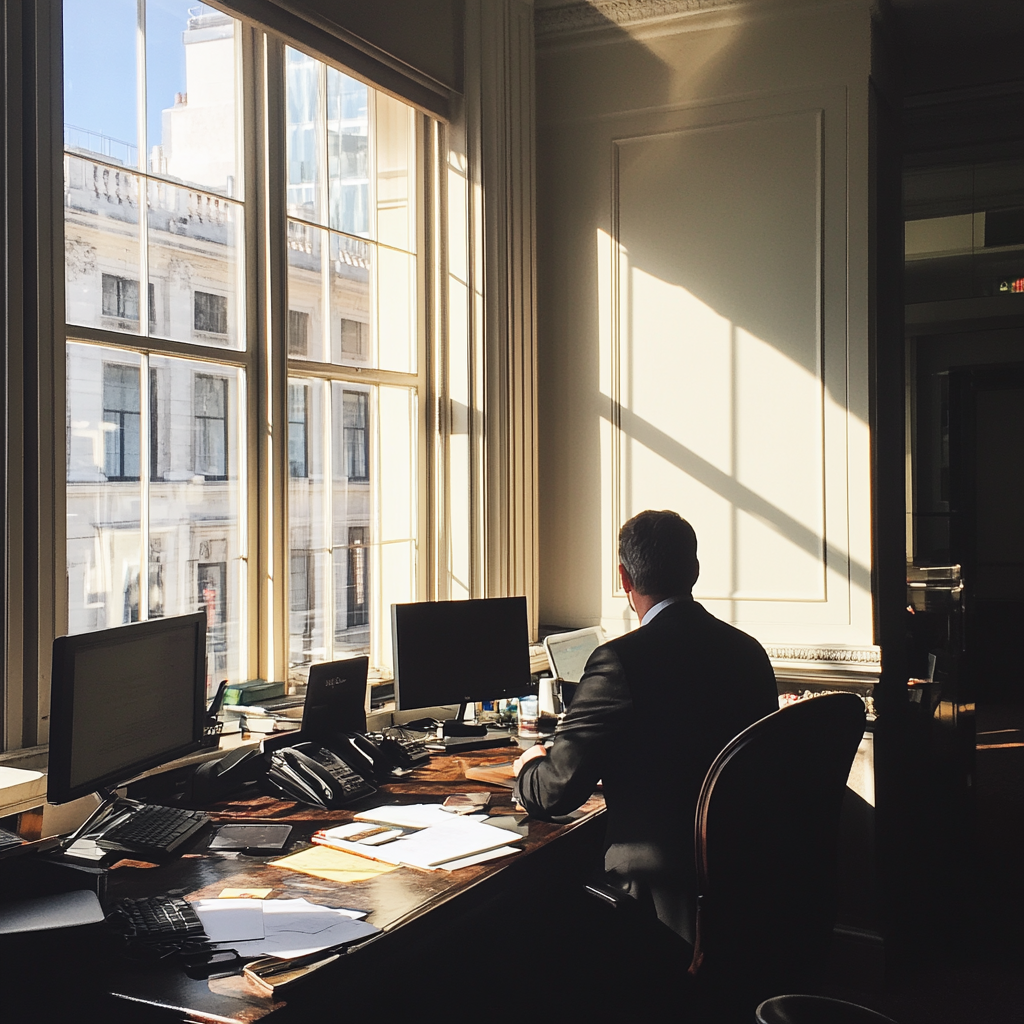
652	711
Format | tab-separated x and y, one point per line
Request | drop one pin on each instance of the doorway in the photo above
986	491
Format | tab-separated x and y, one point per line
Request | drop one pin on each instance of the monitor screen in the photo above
335	699
124	700
447	652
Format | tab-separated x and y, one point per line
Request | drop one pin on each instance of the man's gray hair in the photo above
659	551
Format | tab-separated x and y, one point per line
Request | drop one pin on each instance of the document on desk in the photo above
334	865
406	815
292	928
229	920
456	839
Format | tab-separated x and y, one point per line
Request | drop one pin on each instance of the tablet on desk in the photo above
270	838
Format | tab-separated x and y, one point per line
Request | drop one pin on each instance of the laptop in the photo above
568	654
335	700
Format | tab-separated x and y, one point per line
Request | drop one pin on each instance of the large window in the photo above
160	156
352	297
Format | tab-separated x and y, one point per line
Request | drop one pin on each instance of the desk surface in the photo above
407	904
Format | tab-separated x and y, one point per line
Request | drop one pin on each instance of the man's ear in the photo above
696	572
627	583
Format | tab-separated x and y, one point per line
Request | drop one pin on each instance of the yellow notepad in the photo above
334	865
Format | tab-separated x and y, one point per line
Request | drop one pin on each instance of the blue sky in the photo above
99	64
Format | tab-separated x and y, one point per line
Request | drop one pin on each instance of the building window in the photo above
356	598
211	418
211	313
298	429
354	338
298	333
121	422
120	298
356	440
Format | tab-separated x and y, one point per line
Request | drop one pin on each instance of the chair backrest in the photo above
766	837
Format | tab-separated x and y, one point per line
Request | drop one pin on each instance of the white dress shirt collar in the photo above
660	607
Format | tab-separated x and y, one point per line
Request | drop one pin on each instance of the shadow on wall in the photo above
709	357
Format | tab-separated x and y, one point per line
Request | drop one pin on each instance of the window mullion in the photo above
143	299
272	384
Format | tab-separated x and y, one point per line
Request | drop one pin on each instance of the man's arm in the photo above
600	713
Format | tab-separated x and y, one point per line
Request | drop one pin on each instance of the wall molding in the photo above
581	15
576	16
867	657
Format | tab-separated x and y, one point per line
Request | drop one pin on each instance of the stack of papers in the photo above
441	840
285	928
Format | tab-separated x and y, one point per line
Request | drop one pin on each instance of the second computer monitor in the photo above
335	699
124	700
454	652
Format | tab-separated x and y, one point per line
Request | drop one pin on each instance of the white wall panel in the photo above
703	316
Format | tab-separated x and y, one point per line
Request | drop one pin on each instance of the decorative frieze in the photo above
580	15
868	657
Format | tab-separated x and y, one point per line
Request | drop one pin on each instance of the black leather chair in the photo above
801	1009
766	838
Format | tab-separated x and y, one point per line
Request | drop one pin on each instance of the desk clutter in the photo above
258	865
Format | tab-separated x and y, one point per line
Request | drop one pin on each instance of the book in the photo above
496	774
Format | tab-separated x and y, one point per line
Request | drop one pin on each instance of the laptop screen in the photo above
335	699
569	652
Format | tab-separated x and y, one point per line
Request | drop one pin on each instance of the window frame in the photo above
263	355
471	348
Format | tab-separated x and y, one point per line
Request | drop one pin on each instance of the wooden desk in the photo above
426	917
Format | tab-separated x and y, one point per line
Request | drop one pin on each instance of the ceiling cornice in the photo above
580	15
574	16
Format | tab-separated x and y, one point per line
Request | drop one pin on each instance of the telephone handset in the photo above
315	775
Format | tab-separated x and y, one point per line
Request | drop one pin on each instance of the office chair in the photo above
800	1009
766	838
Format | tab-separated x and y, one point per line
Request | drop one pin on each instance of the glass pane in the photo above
104	496
305	135
351	507
394	464
305	292
351	265
195	544
195	249
308	555
101	245
100	80
395	133
396	310
348	153
190	91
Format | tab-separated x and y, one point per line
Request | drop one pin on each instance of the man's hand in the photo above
538	750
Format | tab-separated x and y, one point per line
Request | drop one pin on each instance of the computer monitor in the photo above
457	652
124	700
335	699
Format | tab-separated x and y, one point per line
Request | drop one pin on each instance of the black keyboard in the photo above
154	830
159	919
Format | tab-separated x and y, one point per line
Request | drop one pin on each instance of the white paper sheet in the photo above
296	927
407	815
478	858
231	920
458	838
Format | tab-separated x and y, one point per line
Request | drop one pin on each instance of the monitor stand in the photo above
457	726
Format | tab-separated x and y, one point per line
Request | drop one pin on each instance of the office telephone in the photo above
315	775
376	761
